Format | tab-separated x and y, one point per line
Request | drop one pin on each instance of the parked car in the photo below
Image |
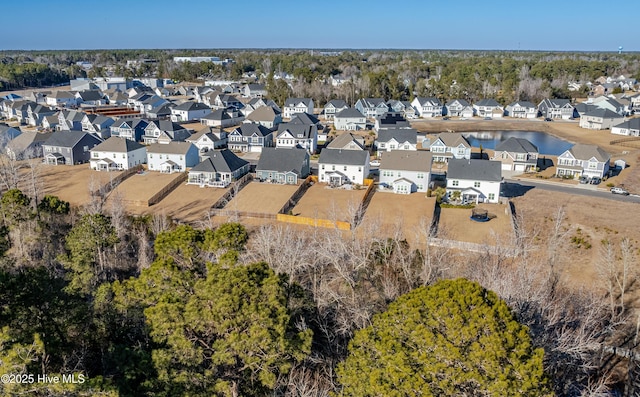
548	119
584	179
374	163
619	190
445	118
595	180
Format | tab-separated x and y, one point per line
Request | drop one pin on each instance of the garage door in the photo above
520	167
506	167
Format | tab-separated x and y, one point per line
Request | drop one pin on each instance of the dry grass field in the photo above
456	224
188	203
139	188
322	202
261	197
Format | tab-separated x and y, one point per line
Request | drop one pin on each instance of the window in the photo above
593	165
492	196
322	166
333	168
359	169
455	183
399	174
345	167
476	184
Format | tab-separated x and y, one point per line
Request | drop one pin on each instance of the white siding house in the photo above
171	157
117	154
337	167
349	119
293	106
478	181
405	172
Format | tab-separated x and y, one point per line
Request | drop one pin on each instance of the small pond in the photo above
547	144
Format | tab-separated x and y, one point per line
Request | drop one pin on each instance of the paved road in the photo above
515	188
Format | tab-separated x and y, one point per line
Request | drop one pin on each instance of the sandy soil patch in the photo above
261	197
456	224
322	202
188	203
139	188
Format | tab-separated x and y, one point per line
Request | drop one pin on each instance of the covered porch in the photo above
105	165
466	196
336	179
169	167
208	179
54	159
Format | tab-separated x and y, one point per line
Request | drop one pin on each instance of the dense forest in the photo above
136	306
391	74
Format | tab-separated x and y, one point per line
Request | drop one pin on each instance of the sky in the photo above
543	25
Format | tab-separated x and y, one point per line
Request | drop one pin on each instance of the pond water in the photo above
547	144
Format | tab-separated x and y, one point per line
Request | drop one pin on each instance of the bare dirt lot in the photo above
261	197
188	203
71	183
322	202
139	188
410	214
456	224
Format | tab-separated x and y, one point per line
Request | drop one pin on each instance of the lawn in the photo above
322	202
456	224
261	197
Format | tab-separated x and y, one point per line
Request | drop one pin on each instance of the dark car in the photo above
548	119
595	180
445	118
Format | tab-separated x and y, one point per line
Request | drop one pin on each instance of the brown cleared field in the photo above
71	183
410	214
188	203
456	224
139	188
261	197
586	218
333	204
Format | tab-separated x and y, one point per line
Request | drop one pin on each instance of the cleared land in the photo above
261	197
188	203
139	188
409	214
456	224
322	202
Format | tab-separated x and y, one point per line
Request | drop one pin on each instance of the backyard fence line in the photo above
295	197
303	220
471	247
234	189
247	214
113	183
364	203
156	198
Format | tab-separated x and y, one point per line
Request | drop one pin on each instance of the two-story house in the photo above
250	138
629	128
218	169
265	116
406	172
450	145
427	107
188	111
61	98
478	181
517	154
600	119
349	119
556	109
254	91
521	110
390	120
458	108
70	120
223	118
69	147
226	101
347	141
372	107
209	138
402	107
27	145
293	106
337	166
162	131
583	160
488	107
283	165
396	139
132	129
298	135
334	107
116	154
171	157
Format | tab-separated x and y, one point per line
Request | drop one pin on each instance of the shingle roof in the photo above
337	103
116	144
281	159
516	145
581	151
249	129
67	138
263	113
453	139
295	101
92	95
487	102
525	104
349	113
633	124
25	139
304	118
426	100
460	101
399	134
166	125
297	130
343	157
191	106
342	140
220	161
602	113
170	148
476	170
406	160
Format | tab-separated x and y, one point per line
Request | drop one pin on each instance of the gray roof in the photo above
337	103
282	159
342	140
91	95
554	103
119	145
349	113
263	113
476	170
633	124
602	113
191	106
296	129
27	138
487	102
68	138
7	132
250	129
256	87
170	148
166	125
162	110
406	160
343	157
581	151
516	145
218	114
304	118
399	134
372	102
295	101
525	104
461	101
453	139
220	161
425	100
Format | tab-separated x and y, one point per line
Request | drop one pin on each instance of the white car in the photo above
619	190
374	163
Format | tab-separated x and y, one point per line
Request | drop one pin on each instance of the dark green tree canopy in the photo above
454	338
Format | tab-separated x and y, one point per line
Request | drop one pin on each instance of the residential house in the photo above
90	98
334	107
39	97
521	110
404	108
131	129
50	122
406	172
478	181
164	131
371	107
7	133
149	103
391	120
209	98
118	98
629	128
250	138
612	104
427	107
349	119
265	116
117	154
223	118
298	135
256	103
69	147
36	113
98	125
337	166
138	101
556	109
70	120
347	141
218	169
488	107
225	101
293	106
600	119
27	145
171	157
396	139
209	138
450	145
254	91
201	91
283	165
458	108
635	102
61	98
583	160
517	154
189	111
161	112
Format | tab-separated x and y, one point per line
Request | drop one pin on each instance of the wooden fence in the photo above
109	186
303	220
297	195
364	203
234	189
633	142
155	199
232	213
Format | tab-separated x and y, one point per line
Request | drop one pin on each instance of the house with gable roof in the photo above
427	107
337	166
347	141
517	154
600	119
98	125
349	119
164	131
390	120
265	116
188	111
629	128
171	157
27	145
69	147
403	107
61	98
293	106
406	172
250	138
372	107
90	98
226	101
209	138
70	120
458	108
37	113
396	139
115	154
218	169
283	165
254	91
450	145
132	129
294	134
521	110
223	118
334	107
8	133
556	109
583	160
488	107
478	181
